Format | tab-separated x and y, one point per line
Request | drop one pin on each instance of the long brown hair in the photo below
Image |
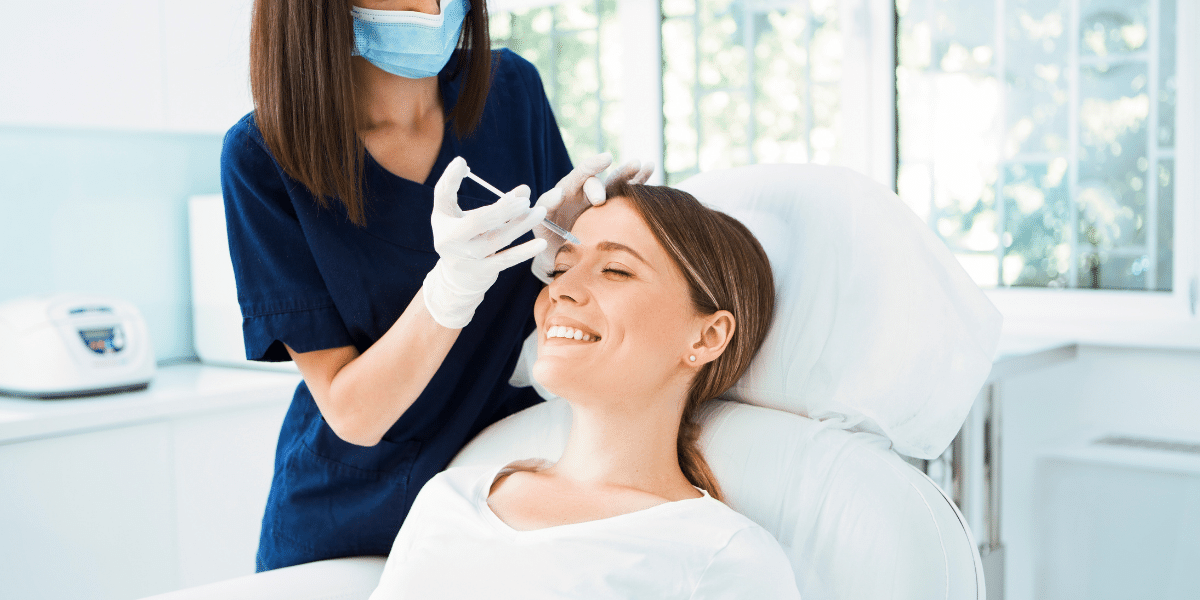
304	97
726	269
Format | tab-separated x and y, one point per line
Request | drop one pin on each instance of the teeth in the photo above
571	333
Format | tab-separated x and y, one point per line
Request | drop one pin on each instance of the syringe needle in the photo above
563	233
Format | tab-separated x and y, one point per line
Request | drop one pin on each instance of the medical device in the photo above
551	225
69	345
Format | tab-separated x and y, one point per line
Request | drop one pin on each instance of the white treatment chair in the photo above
879	346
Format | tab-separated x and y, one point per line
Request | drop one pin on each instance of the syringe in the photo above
551	225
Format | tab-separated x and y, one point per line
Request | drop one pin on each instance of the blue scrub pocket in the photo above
383	460
335	499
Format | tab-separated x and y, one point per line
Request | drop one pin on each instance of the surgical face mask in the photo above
407	43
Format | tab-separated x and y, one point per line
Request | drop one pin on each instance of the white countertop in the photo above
192	388
177	390
1017	355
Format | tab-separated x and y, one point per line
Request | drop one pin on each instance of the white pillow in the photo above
877	326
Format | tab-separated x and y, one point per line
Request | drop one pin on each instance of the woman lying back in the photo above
658	310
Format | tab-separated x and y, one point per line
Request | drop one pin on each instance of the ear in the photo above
715	331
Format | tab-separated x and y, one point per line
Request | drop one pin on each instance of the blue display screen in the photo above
103	340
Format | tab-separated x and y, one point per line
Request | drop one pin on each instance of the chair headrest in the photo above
877	327
856	521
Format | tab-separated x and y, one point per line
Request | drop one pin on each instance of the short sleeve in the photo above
751	565
284	299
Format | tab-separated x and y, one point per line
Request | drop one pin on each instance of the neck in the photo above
387	100
630	445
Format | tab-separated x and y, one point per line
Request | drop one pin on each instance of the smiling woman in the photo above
659	309
677	283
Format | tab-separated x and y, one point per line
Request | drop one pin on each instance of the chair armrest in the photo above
337	579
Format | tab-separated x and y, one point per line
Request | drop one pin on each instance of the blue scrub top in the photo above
309	278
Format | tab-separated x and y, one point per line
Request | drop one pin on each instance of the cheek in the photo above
540	306
656	326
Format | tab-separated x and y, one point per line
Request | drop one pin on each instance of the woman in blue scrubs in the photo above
329	197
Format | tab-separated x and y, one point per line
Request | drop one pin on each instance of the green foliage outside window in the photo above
576	48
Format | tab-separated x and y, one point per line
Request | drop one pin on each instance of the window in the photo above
1041	140
1037	138
748	81
575	46
673	81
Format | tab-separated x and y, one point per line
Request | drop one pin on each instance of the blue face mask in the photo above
407	43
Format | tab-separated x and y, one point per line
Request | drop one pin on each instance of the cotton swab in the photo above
551	225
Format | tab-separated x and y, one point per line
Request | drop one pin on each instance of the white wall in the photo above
142	65
111	115
1104	390
105	212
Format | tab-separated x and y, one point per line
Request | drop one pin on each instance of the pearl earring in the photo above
692	358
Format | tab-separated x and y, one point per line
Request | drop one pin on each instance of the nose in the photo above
569	287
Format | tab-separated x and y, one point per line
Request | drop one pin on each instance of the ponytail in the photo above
691	460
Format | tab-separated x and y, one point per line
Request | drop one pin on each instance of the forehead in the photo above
617	221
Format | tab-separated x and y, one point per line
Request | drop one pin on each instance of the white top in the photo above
453	546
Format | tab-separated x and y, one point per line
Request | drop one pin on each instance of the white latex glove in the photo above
577	191
467	243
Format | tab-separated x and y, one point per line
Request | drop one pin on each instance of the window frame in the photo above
1135	317
641	132
868	88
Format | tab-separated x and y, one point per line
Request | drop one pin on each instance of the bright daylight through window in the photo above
723	105
739	86
575	47
1038	137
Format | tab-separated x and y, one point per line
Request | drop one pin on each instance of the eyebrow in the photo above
606	246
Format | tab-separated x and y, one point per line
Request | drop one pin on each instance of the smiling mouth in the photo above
570	333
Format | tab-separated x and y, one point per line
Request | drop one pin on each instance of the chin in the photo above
556	377
546	375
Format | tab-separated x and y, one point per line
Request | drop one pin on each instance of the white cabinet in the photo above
223	465
151	65
88	515
130	495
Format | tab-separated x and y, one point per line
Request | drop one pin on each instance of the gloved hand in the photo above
574	194
467	244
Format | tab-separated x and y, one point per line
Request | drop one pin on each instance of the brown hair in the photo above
304	97
726	269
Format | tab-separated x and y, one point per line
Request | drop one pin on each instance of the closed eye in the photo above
618	272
